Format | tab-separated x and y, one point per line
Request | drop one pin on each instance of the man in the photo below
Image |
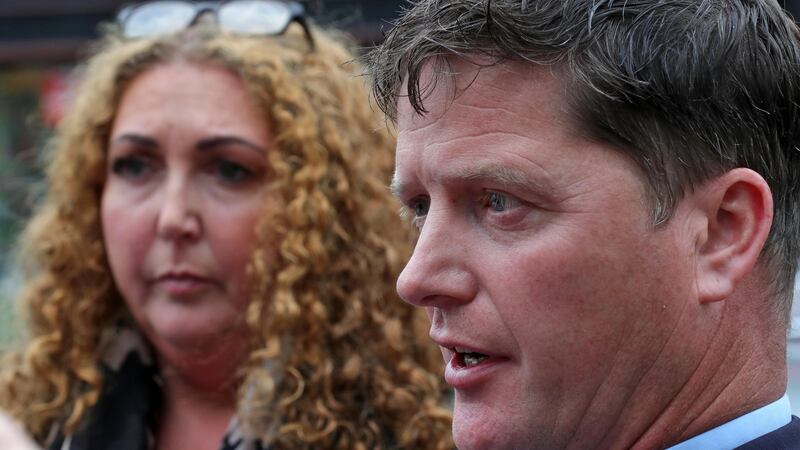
607	199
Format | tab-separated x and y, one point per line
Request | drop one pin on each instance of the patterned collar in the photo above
125	415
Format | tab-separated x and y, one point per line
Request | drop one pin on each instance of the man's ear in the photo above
737	207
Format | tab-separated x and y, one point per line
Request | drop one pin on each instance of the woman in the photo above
213	264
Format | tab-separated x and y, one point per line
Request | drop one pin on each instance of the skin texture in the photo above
537	248
186	177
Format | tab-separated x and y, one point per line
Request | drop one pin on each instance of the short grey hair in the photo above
689	89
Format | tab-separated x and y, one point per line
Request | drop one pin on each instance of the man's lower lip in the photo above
462	377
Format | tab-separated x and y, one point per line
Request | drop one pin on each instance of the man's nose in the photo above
438	273
179	214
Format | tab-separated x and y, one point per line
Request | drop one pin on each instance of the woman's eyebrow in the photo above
137	139
221	141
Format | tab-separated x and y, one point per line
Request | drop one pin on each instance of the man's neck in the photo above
683	394
740	372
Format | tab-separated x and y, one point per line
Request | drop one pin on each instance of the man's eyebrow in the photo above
137	139
398	187
501	175
498	174
495	172
221	141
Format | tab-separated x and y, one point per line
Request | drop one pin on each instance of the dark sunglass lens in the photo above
254	17
158	18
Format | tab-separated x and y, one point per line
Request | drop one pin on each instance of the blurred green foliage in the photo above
22	138
8	321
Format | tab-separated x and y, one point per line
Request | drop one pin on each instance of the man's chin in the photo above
481	429
490	427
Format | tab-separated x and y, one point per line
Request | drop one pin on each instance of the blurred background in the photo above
40	42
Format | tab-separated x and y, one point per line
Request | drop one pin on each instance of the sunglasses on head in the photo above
243	17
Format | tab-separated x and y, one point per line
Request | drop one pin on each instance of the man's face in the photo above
553	297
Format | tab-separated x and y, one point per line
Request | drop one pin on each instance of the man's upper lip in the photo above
462	344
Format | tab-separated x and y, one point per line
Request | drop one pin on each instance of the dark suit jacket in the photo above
784	438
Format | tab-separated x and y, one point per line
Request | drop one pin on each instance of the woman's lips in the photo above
182	285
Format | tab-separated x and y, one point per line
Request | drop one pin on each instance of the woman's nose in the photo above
179	215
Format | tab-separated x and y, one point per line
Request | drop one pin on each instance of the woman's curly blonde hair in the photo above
337	360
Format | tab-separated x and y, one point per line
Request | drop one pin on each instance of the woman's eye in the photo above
232	172
499	202
130	166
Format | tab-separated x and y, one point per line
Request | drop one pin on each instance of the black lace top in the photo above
125	415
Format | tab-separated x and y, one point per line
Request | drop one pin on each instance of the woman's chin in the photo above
204	353
194	329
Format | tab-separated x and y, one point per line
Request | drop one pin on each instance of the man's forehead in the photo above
477	82
476	113
443	79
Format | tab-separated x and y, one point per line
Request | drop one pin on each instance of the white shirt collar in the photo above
742	429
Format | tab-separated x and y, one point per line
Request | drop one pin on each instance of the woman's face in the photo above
185	181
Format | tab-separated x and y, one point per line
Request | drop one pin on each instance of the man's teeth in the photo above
470	358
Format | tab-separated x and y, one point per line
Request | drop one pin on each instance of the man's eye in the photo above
420	206
500	202
130	166
232	172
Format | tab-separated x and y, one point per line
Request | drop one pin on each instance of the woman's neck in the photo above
200	388
192	418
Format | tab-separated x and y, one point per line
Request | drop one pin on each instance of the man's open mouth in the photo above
467	358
